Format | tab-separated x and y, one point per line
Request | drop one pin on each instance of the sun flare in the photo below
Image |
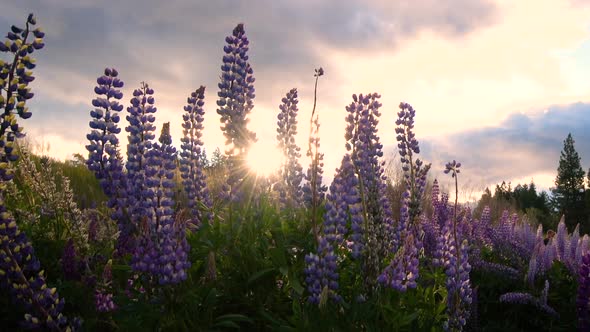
264	158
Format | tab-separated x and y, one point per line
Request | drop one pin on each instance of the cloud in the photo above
465	65
521	148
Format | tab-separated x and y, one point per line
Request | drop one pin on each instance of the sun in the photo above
264	158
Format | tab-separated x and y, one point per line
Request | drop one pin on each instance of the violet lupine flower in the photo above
415	171
103	154
69	263
162	250
321	274
443	225
103	298
172	246
402	272
104	302
362	142
191	167
574	241
458	287
236	92
431	235
291	174
15	76
236	95
561	242
435	193
141	133
583	296
21	275
526	298
344	205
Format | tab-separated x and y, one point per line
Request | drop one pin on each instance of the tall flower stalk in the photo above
165	249
236	101
291	172
103	154
365	148
191	157
141	134
20	270
457	267
313	189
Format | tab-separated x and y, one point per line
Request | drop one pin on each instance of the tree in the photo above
568	193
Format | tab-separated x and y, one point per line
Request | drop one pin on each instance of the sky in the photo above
496	84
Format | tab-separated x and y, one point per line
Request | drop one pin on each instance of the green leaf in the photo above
277	255
260	274
121	267
227	323
234	318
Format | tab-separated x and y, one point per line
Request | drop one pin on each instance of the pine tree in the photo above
568	193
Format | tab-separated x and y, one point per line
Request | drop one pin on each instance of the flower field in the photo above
157	237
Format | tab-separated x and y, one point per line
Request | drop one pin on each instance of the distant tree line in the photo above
570	197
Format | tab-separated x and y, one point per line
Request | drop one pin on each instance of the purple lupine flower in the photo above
435	193
415	171
583	296
21	275
291	174
163	250
363	144
172	236
574	241
343	206
19	267
533	268
527	298
104	302
236	95
458	286
321	274
103	154
582	248
69	262
443	224
498	269
141	133
103	296
191	167
402	272
455	257
562	242
173	255
15	76
431	235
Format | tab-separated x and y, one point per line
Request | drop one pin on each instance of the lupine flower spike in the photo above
236	101
291	173
20	270
191	168
103	154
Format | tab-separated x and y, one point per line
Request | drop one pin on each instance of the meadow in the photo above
164	238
